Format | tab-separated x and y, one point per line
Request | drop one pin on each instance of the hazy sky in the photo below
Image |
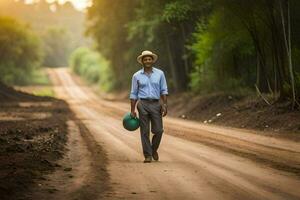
79	4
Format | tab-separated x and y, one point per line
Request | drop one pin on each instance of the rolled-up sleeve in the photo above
163	85
134	88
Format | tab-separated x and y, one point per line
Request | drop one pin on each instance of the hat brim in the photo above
140	57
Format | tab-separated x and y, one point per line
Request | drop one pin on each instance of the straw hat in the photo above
146	53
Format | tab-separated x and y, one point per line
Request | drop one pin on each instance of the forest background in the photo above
204	46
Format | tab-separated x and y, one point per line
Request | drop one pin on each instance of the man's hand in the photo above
164	110
132	104
133	114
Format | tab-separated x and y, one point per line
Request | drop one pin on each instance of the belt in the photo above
153	100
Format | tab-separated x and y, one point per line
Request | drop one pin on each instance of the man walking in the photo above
148	87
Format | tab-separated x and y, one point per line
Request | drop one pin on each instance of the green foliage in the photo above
184	10
61	30
208	45
93	67
76	59
107	25
176	11
39	77
41	17
44	91
219	55
20	52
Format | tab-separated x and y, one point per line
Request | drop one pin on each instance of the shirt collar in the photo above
142	70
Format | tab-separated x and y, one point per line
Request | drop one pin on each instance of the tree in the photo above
154	25
107	24
250	31
20	51
208	45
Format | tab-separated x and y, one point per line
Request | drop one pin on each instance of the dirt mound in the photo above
33	132
8	94
238	111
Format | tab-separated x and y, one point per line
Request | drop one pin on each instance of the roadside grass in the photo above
40	77
43	91
39	85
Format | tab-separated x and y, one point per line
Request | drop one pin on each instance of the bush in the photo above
93	67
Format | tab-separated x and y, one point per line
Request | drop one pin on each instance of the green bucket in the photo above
130	123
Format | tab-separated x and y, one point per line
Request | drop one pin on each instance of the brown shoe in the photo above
148	159
155	156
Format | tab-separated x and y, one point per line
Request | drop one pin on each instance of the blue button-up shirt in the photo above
150	86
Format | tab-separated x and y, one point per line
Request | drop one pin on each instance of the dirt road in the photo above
196	161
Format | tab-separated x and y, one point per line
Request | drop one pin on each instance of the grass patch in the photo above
44	91
40	77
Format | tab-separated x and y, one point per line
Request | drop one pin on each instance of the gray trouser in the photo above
150	111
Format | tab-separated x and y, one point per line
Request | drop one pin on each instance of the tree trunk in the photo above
262	81
287	41
184	57
171	63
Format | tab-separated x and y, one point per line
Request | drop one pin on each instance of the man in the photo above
148	87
